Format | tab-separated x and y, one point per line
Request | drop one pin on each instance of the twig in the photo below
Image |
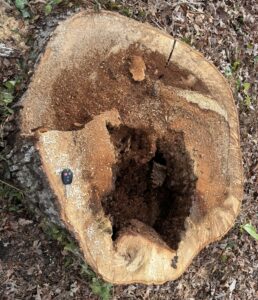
11	186
171	52
157	24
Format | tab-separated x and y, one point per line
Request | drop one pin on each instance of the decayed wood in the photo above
207	119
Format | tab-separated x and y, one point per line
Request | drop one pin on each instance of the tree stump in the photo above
148	128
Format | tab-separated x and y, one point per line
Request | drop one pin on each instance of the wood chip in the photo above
137	68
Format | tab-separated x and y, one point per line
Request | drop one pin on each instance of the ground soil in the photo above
34	266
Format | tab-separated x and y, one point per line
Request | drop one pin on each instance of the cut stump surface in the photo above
150	130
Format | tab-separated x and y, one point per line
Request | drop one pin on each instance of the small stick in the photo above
11	186
171	52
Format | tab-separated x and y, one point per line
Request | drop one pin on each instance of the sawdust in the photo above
80	94
137	68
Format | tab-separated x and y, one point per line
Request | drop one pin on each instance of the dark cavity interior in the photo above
153	183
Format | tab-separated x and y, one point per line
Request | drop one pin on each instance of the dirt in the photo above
154	182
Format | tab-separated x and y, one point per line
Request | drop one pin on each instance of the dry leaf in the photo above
24	222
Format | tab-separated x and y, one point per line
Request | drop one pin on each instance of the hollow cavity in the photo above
154	183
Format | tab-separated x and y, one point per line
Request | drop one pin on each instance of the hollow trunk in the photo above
148	130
